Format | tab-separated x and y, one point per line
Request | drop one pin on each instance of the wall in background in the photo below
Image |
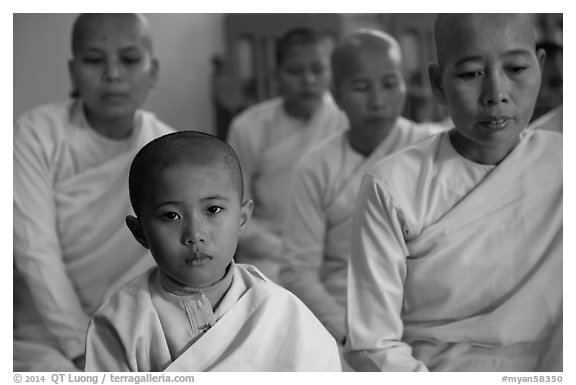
184	45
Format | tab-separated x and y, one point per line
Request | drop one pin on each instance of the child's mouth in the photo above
197	260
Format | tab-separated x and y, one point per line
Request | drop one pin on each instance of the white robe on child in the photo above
71	243
316	236
259	327
268	143
457	266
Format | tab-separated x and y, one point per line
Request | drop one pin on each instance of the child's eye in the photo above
214	209
170	216
92	60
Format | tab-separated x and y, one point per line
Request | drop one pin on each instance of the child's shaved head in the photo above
297	37
459	29
346	51
185	148
87	21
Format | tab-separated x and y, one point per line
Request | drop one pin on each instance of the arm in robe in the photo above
303	250
257	239
37	251
104	349
377	271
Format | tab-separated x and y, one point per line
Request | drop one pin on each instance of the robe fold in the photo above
318	225
268	143
70	203
457	266
259	327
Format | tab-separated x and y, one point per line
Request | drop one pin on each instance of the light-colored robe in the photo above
268	143
71	244
259	327
457	266
316	236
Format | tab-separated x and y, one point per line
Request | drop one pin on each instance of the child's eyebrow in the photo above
156	207
216	197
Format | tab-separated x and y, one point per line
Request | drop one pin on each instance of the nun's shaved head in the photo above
348	50
456	31
184	148
87	23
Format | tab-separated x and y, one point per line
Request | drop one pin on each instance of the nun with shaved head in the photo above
370	88
456	261
71	162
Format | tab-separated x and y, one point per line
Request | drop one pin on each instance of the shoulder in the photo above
551	121
130	299
49	117
324	154
418	131
406	164
153	125
260	285
546	145
258	112
43	129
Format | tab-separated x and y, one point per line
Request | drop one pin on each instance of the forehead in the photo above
375	59
111	30
478	36
183	182
307	52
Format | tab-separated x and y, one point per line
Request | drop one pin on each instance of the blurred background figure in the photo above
271	136
71	160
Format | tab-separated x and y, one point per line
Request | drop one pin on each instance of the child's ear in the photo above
245	213
134	225
435	75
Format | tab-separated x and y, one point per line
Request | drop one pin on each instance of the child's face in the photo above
373	91
112	69
490	80
304	75
191	218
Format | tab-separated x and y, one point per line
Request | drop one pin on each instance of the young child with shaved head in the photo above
71	162
456	261
370	88
197	310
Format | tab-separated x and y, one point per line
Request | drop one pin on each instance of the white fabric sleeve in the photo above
37	251
257	239
377	270
303	250
104	349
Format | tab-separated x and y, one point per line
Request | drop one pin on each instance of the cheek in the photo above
355	106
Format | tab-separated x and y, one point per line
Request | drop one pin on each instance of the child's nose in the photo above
193	233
